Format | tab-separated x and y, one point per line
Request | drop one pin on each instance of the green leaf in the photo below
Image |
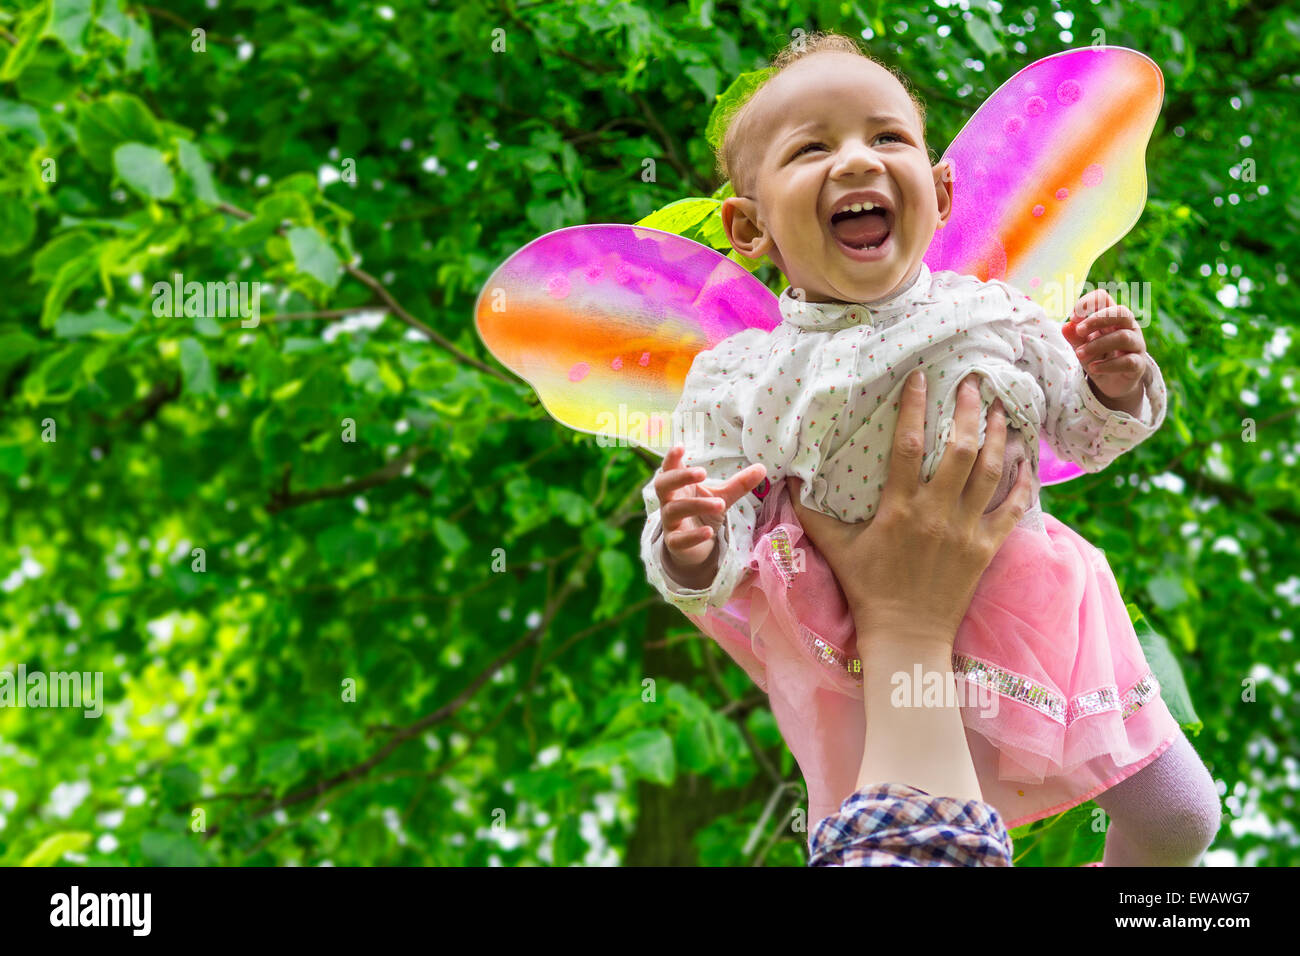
117	118
145	171
282	207
59	251
140	51
178	783
305	184
706	78
713	234
314	256
983	36
278	760
198	170
574	509
52	848
68	23
452	538
166	848
1173	686
1167	591
71	325
616	573
344	545
651	754
73	274
13	462
22	117
17	224
679	217
196	368
735	95
29	39
753	265
695	747
365	373
112	19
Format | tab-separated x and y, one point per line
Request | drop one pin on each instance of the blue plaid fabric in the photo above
897	825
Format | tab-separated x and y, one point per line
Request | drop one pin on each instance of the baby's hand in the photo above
1108	341
691	513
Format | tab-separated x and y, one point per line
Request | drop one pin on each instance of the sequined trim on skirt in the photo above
1050	703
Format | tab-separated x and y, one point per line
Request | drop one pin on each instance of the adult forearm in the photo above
915	735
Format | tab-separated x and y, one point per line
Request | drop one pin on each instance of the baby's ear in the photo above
745	233
943	177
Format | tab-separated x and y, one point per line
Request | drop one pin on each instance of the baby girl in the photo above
833	182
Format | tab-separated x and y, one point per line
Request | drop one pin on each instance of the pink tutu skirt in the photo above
1047	641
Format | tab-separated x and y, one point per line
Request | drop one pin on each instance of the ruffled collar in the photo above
831	316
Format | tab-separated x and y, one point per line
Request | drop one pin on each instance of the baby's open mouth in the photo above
862	225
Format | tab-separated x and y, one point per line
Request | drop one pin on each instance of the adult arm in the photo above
909	575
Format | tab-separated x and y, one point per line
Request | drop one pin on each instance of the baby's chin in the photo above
867	282
865	275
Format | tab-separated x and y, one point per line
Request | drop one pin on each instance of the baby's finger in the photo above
687	538
740	485
1090	303
1111	317
679	509
1125	340
1126	364
666	482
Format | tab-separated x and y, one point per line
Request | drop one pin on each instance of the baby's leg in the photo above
1166	814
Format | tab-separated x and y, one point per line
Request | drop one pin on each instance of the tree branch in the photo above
446	710
282	499
395	306
311	316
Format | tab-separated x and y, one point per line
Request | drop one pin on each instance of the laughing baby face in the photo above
833	181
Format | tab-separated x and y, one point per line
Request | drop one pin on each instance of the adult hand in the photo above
913	568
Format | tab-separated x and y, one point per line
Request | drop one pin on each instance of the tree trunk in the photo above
669	817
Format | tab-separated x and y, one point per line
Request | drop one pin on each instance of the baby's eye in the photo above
894	136
803	149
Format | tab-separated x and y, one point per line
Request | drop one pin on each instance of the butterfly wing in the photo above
1048	174
604	321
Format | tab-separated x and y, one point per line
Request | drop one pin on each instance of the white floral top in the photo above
817	397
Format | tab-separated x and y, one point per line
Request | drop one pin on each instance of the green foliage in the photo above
736	95
353	594
1173	687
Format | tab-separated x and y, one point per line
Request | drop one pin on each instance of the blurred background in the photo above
355	598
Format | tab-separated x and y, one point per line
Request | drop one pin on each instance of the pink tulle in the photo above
1047	623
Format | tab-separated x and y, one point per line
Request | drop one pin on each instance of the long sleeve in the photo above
709	422
1077	426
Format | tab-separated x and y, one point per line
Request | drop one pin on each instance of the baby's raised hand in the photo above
1108	341
691	513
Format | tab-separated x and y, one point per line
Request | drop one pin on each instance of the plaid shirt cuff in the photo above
897	825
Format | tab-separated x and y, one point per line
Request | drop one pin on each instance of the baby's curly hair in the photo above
805	46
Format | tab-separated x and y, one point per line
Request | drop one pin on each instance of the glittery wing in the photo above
1048	174
603	321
